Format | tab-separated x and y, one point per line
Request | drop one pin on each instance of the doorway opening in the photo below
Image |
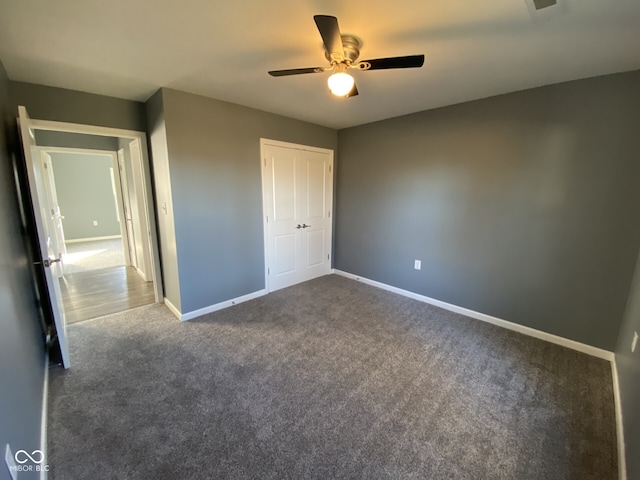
94	213
90	202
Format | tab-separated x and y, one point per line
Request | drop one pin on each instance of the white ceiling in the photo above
130	48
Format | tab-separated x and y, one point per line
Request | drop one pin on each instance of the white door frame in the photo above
141	217
116	174
130	256
263	160
117	185
147	194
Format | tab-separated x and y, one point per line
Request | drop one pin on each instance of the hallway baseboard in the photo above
93	239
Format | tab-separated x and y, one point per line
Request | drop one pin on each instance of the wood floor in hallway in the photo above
101	292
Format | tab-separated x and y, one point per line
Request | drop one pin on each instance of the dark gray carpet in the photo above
329	379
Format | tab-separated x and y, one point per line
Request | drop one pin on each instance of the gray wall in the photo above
524	206
50	138
59	104
85	194
214	164
22	354
629	377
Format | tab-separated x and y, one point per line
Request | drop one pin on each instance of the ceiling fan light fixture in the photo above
340	83
343	52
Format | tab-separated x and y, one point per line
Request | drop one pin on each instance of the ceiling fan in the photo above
342	51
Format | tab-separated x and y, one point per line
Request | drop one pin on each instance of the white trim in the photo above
92	239
43	418
532	332
265	209
152	228
622	461
297	146
172	308
116	183
141	274
77	151
82	128
219	306
126	208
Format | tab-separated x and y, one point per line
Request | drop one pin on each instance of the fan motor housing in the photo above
351	45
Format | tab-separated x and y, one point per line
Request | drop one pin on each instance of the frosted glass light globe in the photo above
340	83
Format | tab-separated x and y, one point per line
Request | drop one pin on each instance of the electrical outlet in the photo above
634	342
95	223
417	264
11	462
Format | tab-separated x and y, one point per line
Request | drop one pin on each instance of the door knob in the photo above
299	227
47	262
304	225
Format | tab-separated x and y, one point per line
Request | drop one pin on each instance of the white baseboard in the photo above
141	274
622	461
532	332
213	308
173	308
43	419
93	239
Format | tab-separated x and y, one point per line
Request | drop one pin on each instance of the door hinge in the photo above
268	271
265	162
329	213
329	168
267	218
327	256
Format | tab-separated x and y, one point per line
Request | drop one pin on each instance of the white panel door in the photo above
315	195
282	219
139	213
50	210
297	196
39	198
130	250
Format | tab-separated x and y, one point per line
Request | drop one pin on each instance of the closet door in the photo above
315	194
297	198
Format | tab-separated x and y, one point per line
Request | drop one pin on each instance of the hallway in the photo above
95	293
93	255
